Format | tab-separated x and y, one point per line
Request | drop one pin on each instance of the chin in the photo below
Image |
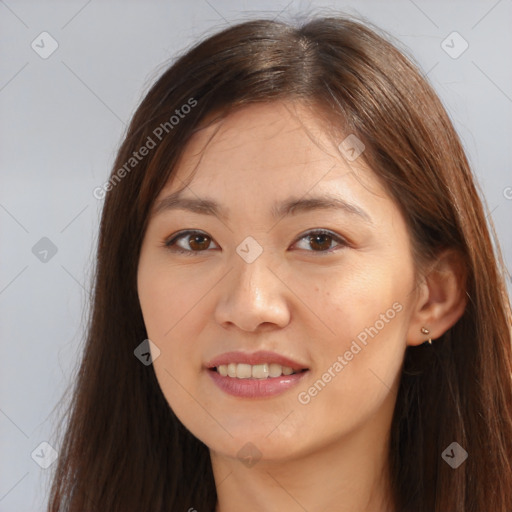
252	444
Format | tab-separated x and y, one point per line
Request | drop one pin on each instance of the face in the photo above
302	265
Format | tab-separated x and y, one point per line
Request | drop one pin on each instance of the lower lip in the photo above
256	388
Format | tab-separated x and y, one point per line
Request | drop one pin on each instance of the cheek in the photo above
172	315
352	297
363	310
167	305
167	299
357	365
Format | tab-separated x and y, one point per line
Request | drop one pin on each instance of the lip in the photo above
260	357
255	388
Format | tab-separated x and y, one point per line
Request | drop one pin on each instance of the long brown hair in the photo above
124	449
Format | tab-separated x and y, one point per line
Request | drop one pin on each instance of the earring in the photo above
426	331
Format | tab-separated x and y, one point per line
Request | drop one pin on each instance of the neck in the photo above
348	475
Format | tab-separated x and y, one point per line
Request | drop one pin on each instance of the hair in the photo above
124	449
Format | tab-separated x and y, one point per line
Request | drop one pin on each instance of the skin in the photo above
329	454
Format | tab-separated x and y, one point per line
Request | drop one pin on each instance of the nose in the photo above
253	297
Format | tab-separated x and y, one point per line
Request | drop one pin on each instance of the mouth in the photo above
257	371
257	365
260	374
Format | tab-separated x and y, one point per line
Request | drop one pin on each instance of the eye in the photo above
193	241
197	242
320	240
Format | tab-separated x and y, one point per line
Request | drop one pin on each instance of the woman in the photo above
297	301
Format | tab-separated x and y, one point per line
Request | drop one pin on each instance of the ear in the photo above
441	300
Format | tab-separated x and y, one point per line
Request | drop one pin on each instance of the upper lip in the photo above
260	357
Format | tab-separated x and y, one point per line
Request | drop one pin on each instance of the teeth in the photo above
243	371
275	370
257	371
231	370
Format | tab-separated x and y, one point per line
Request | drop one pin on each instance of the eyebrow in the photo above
290	206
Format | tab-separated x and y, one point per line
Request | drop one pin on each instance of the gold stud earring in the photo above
426	331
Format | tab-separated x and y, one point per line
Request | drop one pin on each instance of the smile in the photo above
260	374
257	371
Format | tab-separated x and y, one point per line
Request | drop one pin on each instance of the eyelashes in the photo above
200	242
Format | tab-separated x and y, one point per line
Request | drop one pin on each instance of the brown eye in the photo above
199	242
189	242
321	241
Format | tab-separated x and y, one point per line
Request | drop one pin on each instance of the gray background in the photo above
63	117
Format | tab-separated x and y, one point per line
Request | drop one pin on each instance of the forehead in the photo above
266	146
